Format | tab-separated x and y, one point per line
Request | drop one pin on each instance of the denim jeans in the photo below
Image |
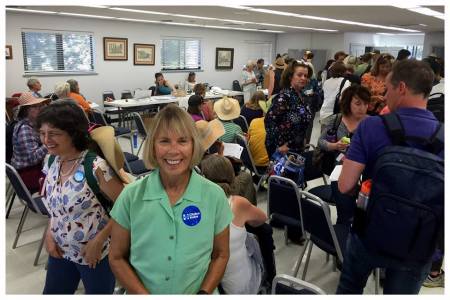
401	277
63	277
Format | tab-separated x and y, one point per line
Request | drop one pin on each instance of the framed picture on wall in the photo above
115	48
224	58
144	54
8	52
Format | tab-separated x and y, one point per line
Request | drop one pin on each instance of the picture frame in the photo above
8	52
144	54
224	58
115	48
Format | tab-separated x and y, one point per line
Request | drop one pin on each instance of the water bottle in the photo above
363	196
135	139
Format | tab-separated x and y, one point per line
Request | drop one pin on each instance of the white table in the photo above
128	103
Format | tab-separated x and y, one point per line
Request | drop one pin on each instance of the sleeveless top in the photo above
242	274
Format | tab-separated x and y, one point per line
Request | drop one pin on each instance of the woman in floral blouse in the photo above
288	118
77	239
375	82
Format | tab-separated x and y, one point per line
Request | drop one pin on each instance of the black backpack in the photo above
336	108
406	204
435	104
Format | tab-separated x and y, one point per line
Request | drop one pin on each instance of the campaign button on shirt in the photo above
191	215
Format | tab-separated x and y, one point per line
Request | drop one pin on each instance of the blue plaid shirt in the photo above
28	150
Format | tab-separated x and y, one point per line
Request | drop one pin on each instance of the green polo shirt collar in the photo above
155	191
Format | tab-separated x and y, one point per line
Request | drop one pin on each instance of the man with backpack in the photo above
402	154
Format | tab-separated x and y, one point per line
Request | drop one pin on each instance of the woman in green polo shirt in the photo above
171	229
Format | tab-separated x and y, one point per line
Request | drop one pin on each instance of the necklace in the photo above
61	174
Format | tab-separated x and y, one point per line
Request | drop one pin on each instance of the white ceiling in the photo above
379	15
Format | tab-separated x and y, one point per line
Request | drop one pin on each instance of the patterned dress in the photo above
76	214
287	121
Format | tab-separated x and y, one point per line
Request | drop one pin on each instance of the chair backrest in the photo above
9	140
317	221
97	117
139	124
108	94
242	122
435	104
284	284
16	95
311	172
153	89
236	86
246	155
22	191
126	94
283	202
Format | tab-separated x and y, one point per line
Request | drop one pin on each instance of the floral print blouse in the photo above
287	121
76	214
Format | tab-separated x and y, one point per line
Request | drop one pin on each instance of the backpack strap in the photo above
337	121
395	128
88	171
437	140
50	161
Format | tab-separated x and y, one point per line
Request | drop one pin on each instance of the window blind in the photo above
181	54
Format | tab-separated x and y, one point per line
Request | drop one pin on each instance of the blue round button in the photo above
191	215
78	176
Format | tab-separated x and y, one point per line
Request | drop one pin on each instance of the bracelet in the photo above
202	292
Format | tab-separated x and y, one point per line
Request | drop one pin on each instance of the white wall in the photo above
432	39
120	75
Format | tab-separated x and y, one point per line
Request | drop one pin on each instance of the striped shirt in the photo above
231	130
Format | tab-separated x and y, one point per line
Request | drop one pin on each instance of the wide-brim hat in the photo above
209	132
105	139
27	99
279	63
227	108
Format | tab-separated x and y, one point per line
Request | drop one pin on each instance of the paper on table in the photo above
336	172
234	150
94	105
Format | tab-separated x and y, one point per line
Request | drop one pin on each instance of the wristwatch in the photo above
202	292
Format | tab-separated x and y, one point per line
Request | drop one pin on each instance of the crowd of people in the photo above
188	230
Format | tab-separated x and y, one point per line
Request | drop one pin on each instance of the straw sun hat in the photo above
27	99
227	108
104	137
209	132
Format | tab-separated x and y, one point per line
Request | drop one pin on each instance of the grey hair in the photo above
73	85
62	90
31	82
250	63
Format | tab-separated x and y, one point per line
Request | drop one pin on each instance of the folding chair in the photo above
320	231
324	191
140	126
284	284
242	122
249	163
153	89
31	203
98	118
110	111
283	205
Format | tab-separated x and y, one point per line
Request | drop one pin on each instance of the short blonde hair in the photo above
62	90
175	119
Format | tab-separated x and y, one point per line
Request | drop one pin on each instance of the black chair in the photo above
242	122
320	231
249	163
31	203
283	205
110	112
236	86
324	191
284	284
126	94
141	129
153	89
435	104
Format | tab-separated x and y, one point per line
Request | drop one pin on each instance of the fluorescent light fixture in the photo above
423	25
86	16
139	11
388	33
282	13
138	20
422	10
194	17
32	10
95	6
